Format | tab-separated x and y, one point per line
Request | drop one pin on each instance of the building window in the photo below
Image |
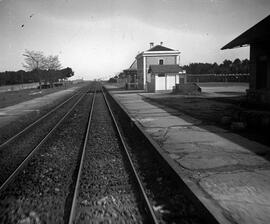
161	75
161	61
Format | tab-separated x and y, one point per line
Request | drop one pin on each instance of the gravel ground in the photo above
169	197
10	98
14	127
17	150
107	193
41	193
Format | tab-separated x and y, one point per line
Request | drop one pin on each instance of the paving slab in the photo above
243	195
224	170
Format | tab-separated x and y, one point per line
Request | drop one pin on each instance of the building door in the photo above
261	73
170	81
160	82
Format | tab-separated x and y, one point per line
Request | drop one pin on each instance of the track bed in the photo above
107	193
41	192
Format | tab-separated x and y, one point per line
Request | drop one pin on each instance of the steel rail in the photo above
146	200
29	156
35	122
76	189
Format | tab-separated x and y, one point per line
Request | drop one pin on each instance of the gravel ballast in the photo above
107	191
42	191
18	149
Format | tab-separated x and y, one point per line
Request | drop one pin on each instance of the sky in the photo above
100	38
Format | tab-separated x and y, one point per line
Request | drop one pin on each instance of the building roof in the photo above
259	33
132	69
157	51
160	48
165	69
133	65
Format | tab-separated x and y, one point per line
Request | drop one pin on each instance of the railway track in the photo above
45	190
95	167
27	123
108	188
38	192
171	199
20	148
36	122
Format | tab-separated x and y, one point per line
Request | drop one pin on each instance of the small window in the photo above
161	75
161	61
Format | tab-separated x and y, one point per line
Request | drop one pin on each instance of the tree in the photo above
226	67
66	73
52	62
113	80
236	66
34	60
46	68
215	69
245	66
51	66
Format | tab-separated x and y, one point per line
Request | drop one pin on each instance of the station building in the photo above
164	71
156	69
131	76
258	38
164	77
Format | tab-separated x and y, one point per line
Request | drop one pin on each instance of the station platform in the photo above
228	173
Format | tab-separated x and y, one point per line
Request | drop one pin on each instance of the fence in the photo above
217	77
18	87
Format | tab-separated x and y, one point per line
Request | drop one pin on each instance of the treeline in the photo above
226	67
47	76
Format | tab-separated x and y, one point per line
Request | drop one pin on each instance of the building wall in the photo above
166	82
151	85
256	93
256	52
170	81
144	62
140	72
154	60
177	80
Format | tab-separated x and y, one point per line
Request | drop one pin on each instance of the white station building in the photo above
158	69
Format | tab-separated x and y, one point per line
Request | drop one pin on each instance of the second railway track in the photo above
19	147
38	192
16	128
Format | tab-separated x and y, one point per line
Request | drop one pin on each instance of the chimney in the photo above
151	44
161	43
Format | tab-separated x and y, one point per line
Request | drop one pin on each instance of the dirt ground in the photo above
219	106
14	97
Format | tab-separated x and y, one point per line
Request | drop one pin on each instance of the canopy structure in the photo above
165	68
259	33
